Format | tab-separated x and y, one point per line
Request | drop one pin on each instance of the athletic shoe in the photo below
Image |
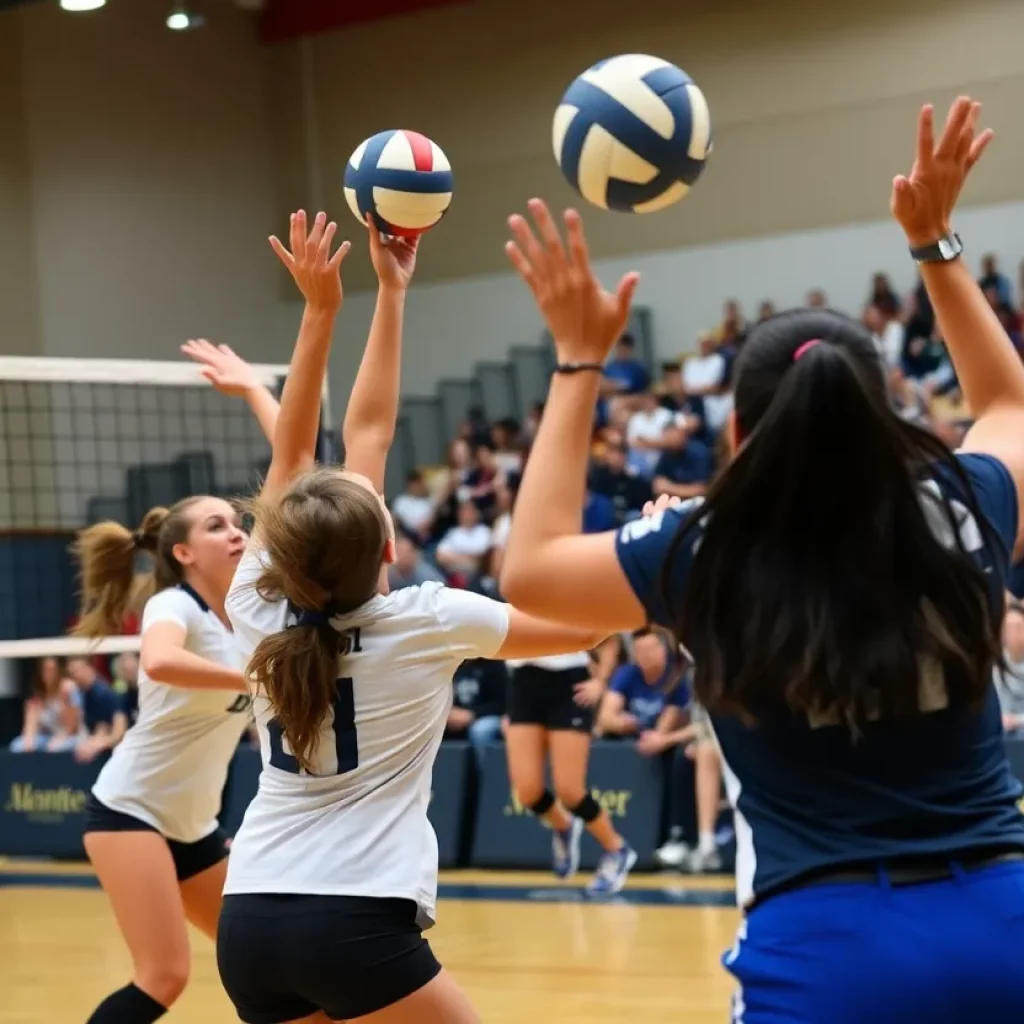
565	850
612	871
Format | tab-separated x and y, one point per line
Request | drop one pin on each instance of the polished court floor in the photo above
525	950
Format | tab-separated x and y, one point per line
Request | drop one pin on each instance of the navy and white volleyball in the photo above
400	178
632	133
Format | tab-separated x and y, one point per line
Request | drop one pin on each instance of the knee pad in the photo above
587	810
543	804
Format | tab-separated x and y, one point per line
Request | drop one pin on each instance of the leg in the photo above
526	746
137	873
202	895
708	789
440	1001
570	752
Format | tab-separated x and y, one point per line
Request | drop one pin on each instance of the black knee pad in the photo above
544	803
587	810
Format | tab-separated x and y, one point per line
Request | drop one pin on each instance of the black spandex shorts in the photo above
542	696
283	957
189	858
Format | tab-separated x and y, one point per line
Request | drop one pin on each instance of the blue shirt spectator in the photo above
640	692
624	373
683	472
99	701
598	513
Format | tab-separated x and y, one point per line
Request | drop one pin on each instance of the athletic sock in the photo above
128	1005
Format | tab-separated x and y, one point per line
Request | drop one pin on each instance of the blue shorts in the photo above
946	952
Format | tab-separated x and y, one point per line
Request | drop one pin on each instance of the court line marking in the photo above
670	896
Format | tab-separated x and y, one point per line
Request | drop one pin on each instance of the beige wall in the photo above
151	182
811	102
19	296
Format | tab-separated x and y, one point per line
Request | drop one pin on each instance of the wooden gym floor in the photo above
524	948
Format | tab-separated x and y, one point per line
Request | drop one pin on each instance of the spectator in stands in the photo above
624	373
612	478
483	479
508	448
502	524
413	509
105	723
532	422
410	569
884	298
705	377
733	328
52	714
126	684
450	487
817	299
992	278
685	467
476	429
598	513
1009	681
478	702
640	691
887	332
765	311
644	433
463	550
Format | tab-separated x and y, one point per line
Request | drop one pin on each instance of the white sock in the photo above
706	843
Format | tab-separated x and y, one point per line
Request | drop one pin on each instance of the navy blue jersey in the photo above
1015	582
808	798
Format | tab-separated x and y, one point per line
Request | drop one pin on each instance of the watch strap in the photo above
942	250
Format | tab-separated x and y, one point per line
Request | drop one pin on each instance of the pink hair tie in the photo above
805	348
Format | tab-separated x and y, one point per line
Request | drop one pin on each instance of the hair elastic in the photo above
805	348
317	617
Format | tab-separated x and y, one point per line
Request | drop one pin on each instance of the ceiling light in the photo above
82	5
181	18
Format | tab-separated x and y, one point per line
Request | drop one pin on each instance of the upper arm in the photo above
578	580
530	637
610	581
367	453
612	703
165	623
999	435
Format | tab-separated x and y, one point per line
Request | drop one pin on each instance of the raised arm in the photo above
231	375
987	365
369	427
550	569
164	660
318	276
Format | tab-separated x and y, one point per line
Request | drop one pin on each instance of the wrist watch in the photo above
947	248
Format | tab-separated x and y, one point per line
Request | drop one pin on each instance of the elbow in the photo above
156	666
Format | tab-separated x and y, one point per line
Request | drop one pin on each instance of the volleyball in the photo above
402	180
632	133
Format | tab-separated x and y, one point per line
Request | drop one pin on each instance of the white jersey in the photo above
170	769
358	825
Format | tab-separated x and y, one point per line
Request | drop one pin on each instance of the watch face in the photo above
946	250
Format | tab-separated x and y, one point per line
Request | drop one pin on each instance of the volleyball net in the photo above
86	440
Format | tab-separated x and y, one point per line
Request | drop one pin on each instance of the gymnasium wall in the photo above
144	213
813	107
202	141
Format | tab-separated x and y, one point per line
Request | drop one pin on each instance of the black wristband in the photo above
579	367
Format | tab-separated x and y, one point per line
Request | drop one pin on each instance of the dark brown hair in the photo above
820	584
325	539
106	554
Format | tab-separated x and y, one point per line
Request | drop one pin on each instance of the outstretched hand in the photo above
923	201
309	260
229	373
584	318
393	258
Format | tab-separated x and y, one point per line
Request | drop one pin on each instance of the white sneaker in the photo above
699	863
673	854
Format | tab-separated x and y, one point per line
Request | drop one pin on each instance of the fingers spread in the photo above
925	135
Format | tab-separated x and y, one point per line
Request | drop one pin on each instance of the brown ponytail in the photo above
325	540
106	553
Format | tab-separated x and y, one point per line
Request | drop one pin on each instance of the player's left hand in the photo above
394	259
308	259
584	318
664	502
651	742
229	373
588	694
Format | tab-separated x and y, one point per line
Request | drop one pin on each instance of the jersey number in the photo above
345	742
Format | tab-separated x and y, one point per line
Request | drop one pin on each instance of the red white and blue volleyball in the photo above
402	180
632	133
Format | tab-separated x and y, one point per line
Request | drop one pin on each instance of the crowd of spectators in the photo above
654	434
